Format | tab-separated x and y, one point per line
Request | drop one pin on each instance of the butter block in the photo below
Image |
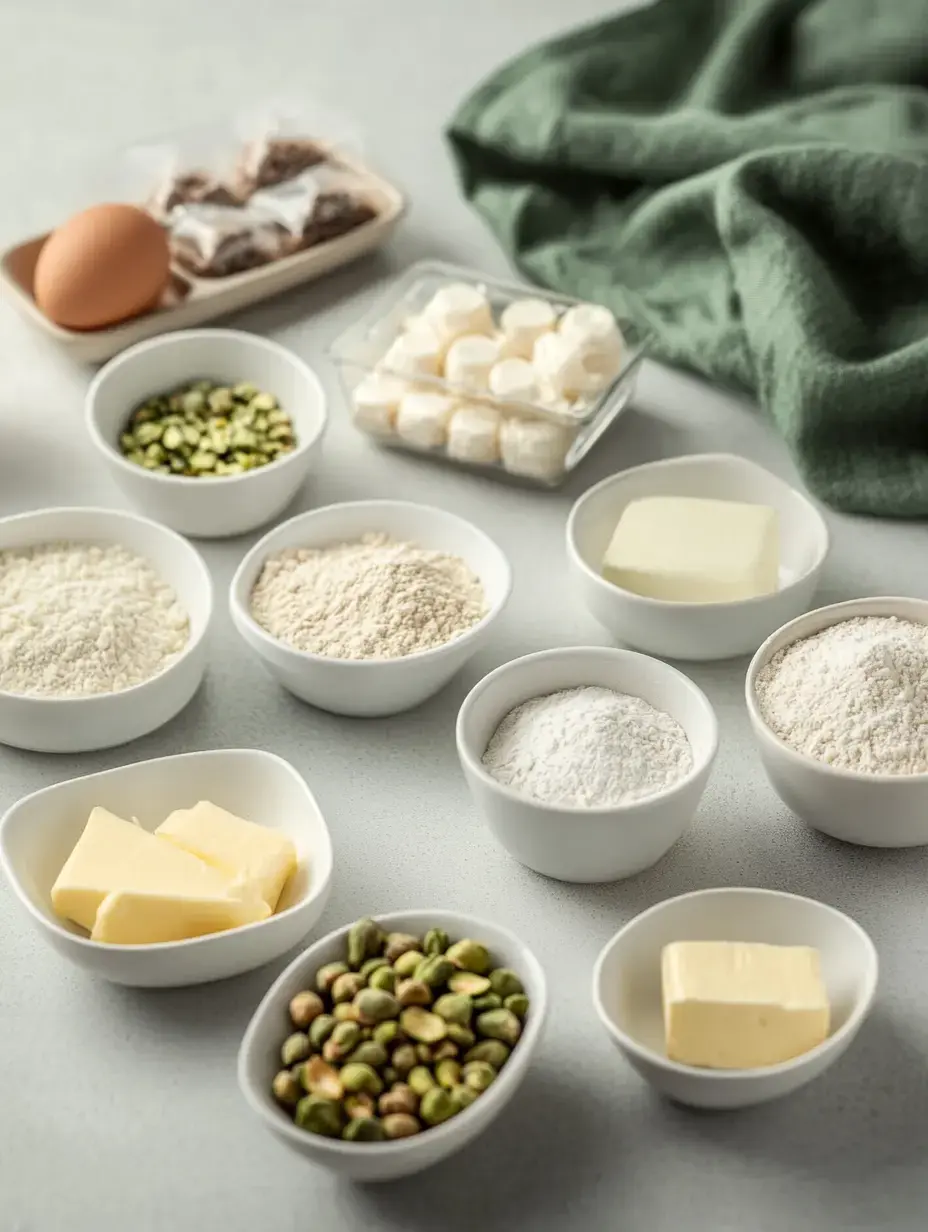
240	850
114	854
689	550
128	917
738	1005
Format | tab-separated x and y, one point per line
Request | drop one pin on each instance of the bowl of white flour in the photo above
103	620
587	763
838	700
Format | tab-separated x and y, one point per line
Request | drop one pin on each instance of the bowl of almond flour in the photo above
370	607
838	700
103	617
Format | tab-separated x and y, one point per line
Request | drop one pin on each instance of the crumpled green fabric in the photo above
747	179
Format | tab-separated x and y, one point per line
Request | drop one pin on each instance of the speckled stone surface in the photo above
119	1109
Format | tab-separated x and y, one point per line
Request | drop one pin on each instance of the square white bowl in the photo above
695	631
39	832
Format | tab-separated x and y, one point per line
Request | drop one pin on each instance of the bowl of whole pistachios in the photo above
392	1043
209	431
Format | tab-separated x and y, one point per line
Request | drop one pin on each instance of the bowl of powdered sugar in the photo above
103	617
587	763
370	607
838	700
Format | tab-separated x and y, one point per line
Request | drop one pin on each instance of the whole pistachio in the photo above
320	1078
321	1028
360	1105
422	1025
347	987
494	1052
500	1025
469	955
462	1036
305	1008
365	940
363	1129
435	941
454	1007
399	944
505	983
373	1005
360	1077
447	1074
405	966
420	1080
402	1098
369	1052
478	1075
463	1096
517	1004
388	1034
296	1047
413	992
384	978
434	971
319	1116
489	1001
287	1090
469	984
400	1125
404	1058
327	975
373	964
436	1106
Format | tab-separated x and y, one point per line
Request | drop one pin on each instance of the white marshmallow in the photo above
533	447
514	380
523	322
458	309
559	365
422	419
413	354
469	360
473	434
375	401
594	330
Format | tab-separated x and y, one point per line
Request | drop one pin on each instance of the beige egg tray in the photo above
191	300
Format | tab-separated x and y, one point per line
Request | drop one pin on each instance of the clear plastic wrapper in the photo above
318	205
214	241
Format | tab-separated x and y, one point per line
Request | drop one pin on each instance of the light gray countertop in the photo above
119	1109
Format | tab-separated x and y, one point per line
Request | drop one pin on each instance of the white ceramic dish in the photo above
695	631
225	505
577	844
258	1058
627	987
874	810
372	687
80	724
38	834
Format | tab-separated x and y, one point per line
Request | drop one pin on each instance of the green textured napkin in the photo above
749	180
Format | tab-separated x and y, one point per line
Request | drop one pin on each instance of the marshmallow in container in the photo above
376	401
473	434
534	448
514	380
456	310
523	322
560	365
413	354
595	332
422	419
469	362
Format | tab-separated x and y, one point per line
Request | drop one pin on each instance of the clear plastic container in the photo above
537	441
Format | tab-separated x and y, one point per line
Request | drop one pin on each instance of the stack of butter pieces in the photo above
203	870
531	356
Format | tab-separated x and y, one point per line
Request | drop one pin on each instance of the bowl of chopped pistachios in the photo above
210	431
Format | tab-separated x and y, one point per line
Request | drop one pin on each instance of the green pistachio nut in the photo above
327	975
384	978
347	987
499	1025
321	1028
245	391
287	1089
462	1036
454	1007
478	1075
420	1080
404	1058
388	1034
435	941
365	940
436	1106
400	1125
517	1004
469	955
295	1048
494	1052
319	1116
406	965
343	1040
399	944
469	984
369	1052
434	971
489	1001
505	983
321	1078
305	1008
424	1054
422	1025
413	992
368	968
463	1096
390	1075
445	1050
344	1011
360	1077
360	1105
447	1074
374	1005
402	1098
363	1129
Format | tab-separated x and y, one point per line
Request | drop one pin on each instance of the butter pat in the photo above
113	854
129	917
242	852
694	551
734	1005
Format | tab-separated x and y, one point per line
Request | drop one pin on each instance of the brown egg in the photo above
103	266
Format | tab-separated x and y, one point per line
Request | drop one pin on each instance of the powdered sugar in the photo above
854	695
588	747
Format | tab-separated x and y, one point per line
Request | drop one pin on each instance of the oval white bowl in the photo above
627	987
580	844
372	687
225	505
39	832
259	1055
80	724
872	810
695	631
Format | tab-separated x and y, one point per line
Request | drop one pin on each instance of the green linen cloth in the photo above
748	179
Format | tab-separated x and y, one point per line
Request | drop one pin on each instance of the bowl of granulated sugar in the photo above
370	607
838	700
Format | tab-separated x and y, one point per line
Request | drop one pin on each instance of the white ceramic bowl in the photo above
874	810
38	834
695	631
627	987
226	505
372	687
259	1055
579	844
79	724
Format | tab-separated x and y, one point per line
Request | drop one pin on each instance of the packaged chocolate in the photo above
269	161
214	241
188	188
318	205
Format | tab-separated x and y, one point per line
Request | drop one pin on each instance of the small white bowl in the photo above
38	834
580	844
695	631
224	505
873	810
259	1055
80	724
627	987
372	687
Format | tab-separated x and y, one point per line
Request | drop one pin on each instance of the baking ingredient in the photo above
376	400
236	848
513	380
473	434
469	361
594	331
422	419
80	619
417	1066
559	364
734	1005
375	598
204	429
588	747
134	917
216	241
105	265
689	550
523	322
458	309
535	448
854	695
413	355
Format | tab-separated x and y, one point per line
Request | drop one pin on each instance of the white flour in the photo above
854	695
373	599
588	748
80	618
